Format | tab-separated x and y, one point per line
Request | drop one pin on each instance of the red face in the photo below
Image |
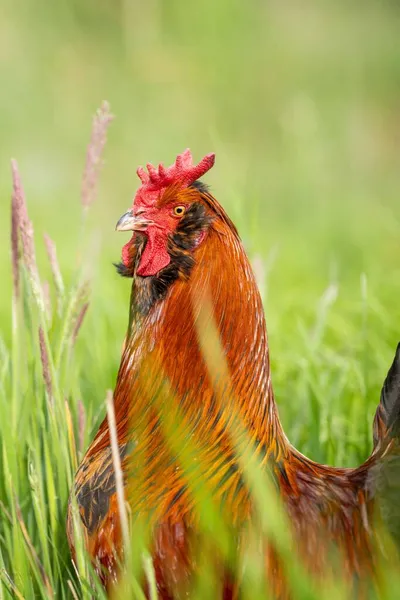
157	223
159	204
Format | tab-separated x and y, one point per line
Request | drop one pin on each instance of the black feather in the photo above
200	186
383	477
123	270
93	495
390	397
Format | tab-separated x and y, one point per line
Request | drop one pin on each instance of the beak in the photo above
130	222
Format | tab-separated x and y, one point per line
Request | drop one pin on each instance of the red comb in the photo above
182	173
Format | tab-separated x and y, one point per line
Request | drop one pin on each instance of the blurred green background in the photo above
300	101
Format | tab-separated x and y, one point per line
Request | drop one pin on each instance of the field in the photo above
300	102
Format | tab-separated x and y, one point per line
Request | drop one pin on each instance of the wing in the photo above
95	493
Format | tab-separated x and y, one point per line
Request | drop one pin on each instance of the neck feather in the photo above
168	347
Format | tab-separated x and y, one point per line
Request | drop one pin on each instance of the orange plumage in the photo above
167	383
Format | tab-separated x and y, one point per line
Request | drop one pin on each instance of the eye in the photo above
179	211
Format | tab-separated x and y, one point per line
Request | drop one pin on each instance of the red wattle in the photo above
155	256
126	253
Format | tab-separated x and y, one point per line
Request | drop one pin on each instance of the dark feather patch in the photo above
390	395
200	186
176	498
136	248
93	496
123	270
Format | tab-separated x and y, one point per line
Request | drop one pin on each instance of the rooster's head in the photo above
169	216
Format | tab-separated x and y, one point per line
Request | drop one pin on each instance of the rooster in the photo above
190	273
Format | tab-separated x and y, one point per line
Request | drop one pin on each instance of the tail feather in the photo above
387	416
383	479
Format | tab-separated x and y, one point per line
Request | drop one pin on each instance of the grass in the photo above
299	102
